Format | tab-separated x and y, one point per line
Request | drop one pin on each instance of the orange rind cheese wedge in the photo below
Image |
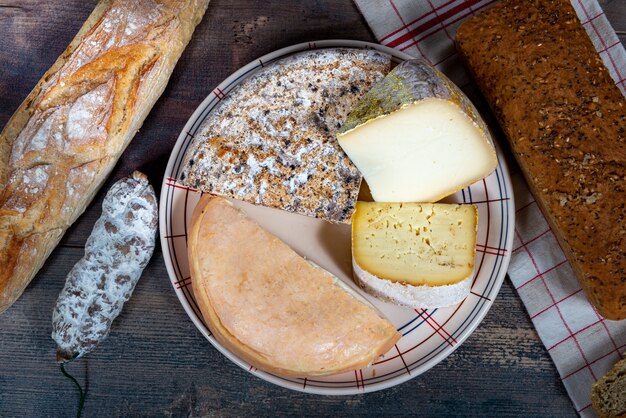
271	307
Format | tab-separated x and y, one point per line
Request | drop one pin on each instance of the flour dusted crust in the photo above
116	252
272	139
60	145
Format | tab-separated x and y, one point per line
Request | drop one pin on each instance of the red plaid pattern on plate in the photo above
583	346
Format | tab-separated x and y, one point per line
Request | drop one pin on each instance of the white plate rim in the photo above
297	384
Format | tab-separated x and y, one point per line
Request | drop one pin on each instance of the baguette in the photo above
565	120
63	141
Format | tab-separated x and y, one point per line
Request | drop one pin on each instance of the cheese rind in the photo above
423	296
412	254
271	140
273	308
409	82
416	138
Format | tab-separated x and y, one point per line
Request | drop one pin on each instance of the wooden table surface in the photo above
155	362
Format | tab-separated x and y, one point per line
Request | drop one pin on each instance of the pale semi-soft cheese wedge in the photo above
273	308
413	254
416	138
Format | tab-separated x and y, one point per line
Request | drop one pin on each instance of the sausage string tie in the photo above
82	393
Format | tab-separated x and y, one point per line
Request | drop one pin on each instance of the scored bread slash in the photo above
116	252
271	140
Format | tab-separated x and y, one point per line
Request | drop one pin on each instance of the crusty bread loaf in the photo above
565	120
59	146
608	394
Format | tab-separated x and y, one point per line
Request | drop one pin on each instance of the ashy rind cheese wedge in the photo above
419	255
415	137
273	308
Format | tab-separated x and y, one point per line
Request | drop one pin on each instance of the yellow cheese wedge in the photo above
416	138
415	254
273	308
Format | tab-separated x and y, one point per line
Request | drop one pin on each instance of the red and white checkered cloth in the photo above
583	346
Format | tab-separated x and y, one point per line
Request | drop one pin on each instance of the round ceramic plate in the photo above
428	335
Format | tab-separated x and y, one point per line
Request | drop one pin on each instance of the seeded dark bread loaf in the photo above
608	394
566	122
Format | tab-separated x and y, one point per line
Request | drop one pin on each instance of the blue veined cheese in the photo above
416	138
415	254
272	141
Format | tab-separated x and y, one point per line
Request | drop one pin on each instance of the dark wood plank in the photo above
155	362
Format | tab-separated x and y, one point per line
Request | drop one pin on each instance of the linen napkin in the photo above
582	344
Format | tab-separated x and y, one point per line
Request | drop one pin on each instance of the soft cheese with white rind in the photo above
272	140
273	308
412	254
416	137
